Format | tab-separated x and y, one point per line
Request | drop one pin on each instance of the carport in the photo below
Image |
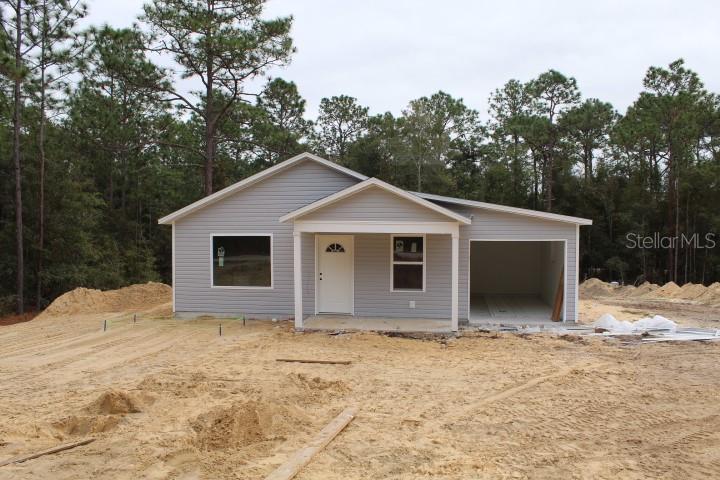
514	281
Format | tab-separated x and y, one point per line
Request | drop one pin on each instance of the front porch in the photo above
382	259
359	294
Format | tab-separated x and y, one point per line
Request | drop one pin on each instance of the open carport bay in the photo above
515	281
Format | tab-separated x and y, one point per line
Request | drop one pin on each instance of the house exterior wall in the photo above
488	225
375	204
255	209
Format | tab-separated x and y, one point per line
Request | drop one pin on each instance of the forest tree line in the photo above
99	139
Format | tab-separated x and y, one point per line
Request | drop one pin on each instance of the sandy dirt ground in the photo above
173	399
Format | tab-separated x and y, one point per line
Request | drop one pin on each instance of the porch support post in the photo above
454	281
297	277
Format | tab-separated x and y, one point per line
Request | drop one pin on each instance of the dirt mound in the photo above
310	385
711	295
645	289
691	291
84	425
626	291
594	287
246	423
669	290
134	298
114	402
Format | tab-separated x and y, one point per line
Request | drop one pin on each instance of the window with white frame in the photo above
408	263
242	261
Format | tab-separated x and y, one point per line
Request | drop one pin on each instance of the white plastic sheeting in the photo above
613	325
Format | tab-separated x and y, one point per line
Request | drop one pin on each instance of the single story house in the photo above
308	237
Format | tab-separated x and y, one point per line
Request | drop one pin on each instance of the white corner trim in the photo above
577	271
393	263
174	283
502	208
454	285
297	279
240	287
220	194
373	182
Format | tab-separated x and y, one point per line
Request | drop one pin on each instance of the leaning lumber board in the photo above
302	457
559	294
59	448
329	362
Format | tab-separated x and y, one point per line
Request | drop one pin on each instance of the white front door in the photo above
334	280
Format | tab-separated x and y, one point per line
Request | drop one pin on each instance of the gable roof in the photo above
427	199
374	182
502	208
253	179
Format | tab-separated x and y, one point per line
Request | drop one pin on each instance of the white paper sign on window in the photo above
221	256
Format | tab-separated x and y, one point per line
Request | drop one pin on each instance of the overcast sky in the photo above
387	52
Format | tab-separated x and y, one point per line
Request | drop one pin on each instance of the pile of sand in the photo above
594	288
135	298
114	402
102	415
246	423
669	290
710	295
87	424
645	289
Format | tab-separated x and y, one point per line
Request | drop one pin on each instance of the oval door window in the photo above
335	248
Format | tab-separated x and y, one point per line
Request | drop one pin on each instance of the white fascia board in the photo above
373	182
502	208
360	226
220	194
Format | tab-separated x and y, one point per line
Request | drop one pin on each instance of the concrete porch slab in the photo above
349	322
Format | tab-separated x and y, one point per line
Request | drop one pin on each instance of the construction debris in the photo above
655	329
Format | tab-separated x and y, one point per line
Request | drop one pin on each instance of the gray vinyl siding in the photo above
373	297
488	225
255	209
374	203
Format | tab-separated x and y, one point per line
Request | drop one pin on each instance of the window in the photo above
408	263
242	261
335	248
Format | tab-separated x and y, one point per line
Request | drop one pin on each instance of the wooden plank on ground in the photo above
302	457
59	448
329	362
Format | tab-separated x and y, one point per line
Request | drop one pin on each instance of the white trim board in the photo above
174	283
369	226
373	182
393	263
565	270
577	271
220	194
502	208
240	287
